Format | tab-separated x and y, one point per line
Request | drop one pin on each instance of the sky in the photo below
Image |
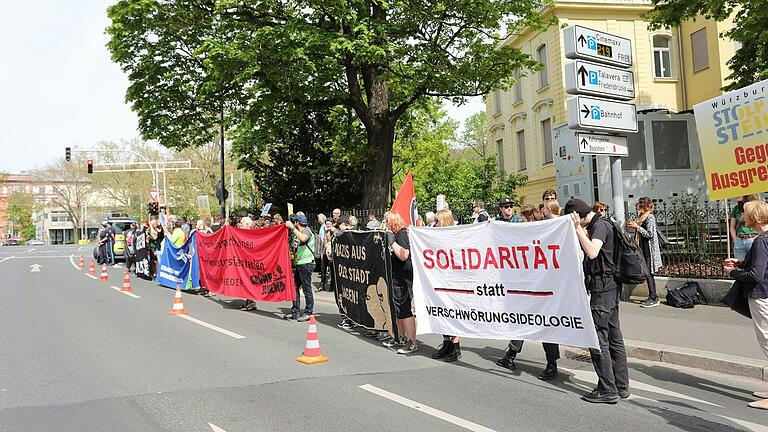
59	87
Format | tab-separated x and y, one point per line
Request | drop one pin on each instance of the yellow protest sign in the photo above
733	135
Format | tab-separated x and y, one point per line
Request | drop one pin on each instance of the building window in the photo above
670	145
518	86
636	144
546	140
496	102
521	150
699	50
500	151
662	56
541	56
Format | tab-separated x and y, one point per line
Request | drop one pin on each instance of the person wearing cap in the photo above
596	236
507	212
303	259
478	212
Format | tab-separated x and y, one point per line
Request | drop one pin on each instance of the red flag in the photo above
405	203
250	264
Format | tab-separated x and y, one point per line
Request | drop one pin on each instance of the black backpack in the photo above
687	296
630	264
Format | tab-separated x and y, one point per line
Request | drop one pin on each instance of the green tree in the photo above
19	211
186	58
750	18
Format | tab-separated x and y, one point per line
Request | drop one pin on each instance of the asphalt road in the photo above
77	355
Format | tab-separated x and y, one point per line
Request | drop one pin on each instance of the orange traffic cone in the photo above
104	276
82	263
312	348
126	283
178	303
91	270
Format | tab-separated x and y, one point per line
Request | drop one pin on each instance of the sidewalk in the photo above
705	337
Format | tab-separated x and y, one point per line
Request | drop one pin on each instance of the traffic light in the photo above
90	166
68	153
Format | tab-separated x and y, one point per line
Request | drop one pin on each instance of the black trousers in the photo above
325	267
551	350
610	361
650	280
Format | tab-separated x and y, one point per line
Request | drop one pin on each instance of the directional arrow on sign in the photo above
35	268
583	75
581	40
585	111
584	143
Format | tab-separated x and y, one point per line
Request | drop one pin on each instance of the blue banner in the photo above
179	265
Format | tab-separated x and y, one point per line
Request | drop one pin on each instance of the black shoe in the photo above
455	354
597	397
624	393
507	362
371	334
550	372
290	317
445	349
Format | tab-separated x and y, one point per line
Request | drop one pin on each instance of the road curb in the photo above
688	357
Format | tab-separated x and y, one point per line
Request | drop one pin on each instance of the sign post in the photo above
600	81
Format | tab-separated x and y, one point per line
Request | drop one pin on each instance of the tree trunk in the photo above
378	170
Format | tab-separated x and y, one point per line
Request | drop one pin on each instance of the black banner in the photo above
361	260
142	256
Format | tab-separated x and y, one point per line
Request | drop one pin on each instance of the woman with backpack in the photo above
648	240
753	275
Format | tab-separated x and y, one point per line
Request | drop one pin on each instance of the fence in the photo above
696	229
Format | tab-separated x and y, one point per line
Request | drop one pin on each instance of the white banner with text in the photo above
501	280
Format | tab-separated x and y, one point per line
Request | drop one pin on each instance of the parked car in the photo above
11	242
119	224
34	242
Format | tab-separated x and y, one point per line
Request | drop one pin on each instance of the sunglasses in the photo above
550	199
506	206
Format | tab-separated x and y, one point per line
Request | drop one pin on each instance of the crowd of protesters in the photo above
312	251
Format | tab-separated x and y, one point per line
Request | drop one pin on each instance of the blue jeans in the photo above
741	247
111	252
302	276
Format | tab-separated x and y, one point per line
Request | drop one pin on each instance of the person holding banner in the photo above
402	284
596	236
450	349
551	350
753	273
303	258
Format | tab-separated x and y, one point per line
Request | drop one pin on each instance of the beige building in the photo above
674	69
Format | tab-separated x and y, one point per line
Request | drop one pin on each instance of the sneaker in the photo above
303	318
650	303
549	373
507	362
455	355
597	397
624	393
382	336
409	347
371	333
346	324
391	342
445	349
290	317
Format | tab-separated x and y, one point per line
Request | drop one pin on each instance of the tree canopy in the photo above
750	18
188	59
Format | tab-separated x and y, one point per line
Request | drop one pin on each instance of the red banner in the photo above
250	264
405	202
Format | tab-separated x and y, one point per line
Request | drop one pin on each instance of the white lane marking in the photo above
116	266
590	376
754	427
129	294
80	248
91	276
31	250
212	327
35	268
458	421
216	428
41	256
72	261
7	258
